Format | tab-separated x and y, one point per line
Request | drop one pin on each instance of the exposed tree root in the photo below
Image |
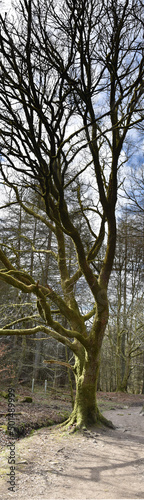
73	424
103	420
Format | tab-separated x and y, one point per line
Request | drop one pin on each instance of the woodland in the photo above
72	186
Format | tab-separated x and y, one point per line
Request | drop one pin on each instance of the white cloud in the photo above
5	6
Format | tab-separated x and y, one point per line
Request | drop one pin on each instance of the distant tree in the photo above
127	301
135	193
71	89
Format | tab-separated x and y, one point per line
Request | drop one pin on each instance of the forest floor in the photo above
53	465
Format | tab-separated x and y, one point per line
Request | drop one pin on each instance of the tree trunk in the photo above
37	356
86	412
22	353
85	408
127	369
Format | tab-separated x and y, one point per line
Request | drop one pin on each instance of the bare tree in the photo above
71	90
126	298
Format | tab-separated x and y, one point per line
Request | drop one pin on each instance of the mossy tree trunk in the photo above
87	363
85	411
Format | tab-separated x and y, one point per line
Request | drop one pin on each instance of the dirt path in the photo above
107	464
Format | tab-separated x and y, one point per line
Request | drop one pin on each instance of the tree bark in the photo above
86	412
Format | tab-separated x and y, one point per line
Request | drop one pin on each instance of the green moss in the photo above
32	432
64	414
50	422
27	399
4	427
4	394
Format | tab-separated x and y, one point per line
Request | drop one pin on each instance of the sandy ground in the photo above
97	464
